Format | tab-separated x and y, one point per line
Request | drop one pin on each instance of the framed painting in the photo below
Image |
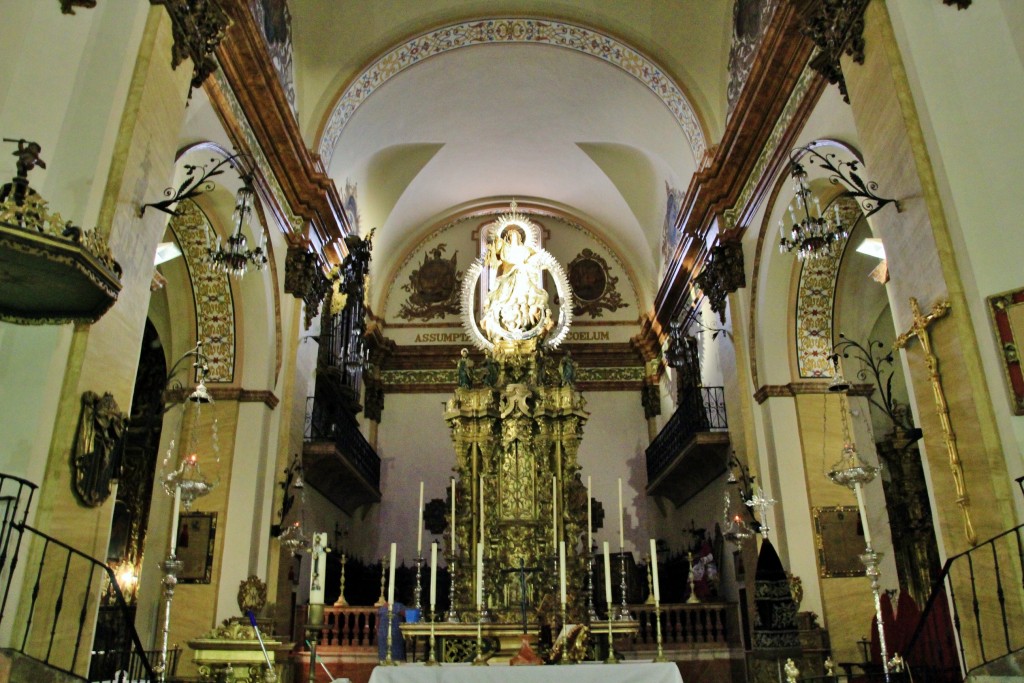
1007	311
194	548
839	539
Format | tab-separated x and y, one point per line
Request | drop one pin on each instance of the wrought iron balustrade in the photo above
66	589
699	410
976	609
342	430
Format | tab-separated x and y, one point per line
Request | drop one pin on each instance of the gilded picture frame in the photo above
1007	311
839	540
197	532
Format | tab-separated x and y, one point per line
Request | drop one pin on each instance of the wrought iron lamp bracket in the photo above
843	174
198	181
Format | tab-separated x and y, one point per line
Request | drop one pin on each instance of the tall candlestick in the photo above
554	510
590	519
433	576
481	509
451	530
419	526
608	579
479	576
174	521
654	572
622	542
391	574
859	490
561	571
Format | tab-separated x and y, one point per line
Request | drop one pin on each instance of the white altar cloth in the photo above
585	672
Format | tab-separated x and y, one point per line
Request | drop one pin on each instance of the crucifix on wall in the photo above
919	329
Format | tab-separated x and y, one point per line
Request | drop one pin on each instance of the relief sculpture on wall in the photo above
594	288
433	287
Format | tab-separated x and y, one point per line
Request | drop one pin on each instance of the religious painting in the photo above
433	287
194	547
670	234
593	286
275	22
839	539
1007	311
749	19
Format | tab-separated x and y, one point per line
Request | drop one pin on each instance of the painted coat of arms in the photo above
433	287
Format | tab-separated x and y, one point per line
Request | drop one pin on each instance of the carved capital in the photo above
197	26
304	279
721	275
650	399
836	27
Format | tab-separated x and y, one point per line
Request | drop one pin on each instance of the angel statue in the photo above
516	305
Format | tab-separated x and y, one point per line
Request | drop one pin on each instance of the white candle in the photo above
391	574
452	521
419	526
622	541
561	570
554	510
590	519
608	579
481	509
433	575
479	576
859	490
174	520
654	572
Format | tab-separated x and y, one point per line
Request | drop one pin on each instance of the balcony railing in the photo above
343	431
695	435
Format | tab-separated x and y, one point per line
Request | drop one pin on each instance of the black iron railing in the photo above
699	410
66	588
15	500
975	609
342	429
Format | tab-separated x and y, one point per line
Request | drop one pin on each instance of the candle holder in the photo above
624	614
431	661
453	615
479	659
388	661
871	560
591	612
313	627
660	657
340	602
611	646
693	599
171	568
565	644
418	590
382	600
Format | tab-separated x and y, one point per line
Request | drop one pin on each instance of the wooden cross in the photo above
919	329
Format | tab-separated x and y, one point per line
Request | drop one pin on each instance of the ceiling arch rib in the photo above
504	31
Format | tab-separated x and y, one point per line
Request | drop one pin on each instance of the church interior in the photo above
343	340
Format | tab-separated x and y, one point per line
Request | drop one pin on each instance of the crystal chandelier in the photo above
815	232
235	258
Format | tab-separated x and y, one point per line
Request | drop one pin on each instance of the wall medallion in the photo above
96	458
433	287
1007	311
593	286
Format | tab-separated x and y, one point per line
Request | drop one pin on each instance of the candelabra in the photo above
871	560
611	647
693	599
565	643
591	612
418	590
171	568
388	661
431	660
453	616
340	602
660	657
479	659
624	614
382	600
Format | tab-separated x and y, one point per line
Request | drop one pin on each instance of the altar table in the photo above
585	672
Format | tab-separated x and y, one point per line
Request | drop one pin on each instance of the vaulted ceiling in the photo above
587	127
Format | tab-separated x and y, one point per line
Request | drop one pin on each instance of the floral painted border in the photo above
215	306
511	30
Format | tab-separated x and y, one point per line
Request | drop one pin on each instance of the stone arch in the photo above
523	31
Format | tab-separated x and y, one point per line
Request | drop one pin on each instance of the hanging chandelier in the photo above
815	231
235	258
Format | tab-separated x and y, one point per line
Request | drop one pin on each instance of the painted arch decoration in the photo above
519	31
